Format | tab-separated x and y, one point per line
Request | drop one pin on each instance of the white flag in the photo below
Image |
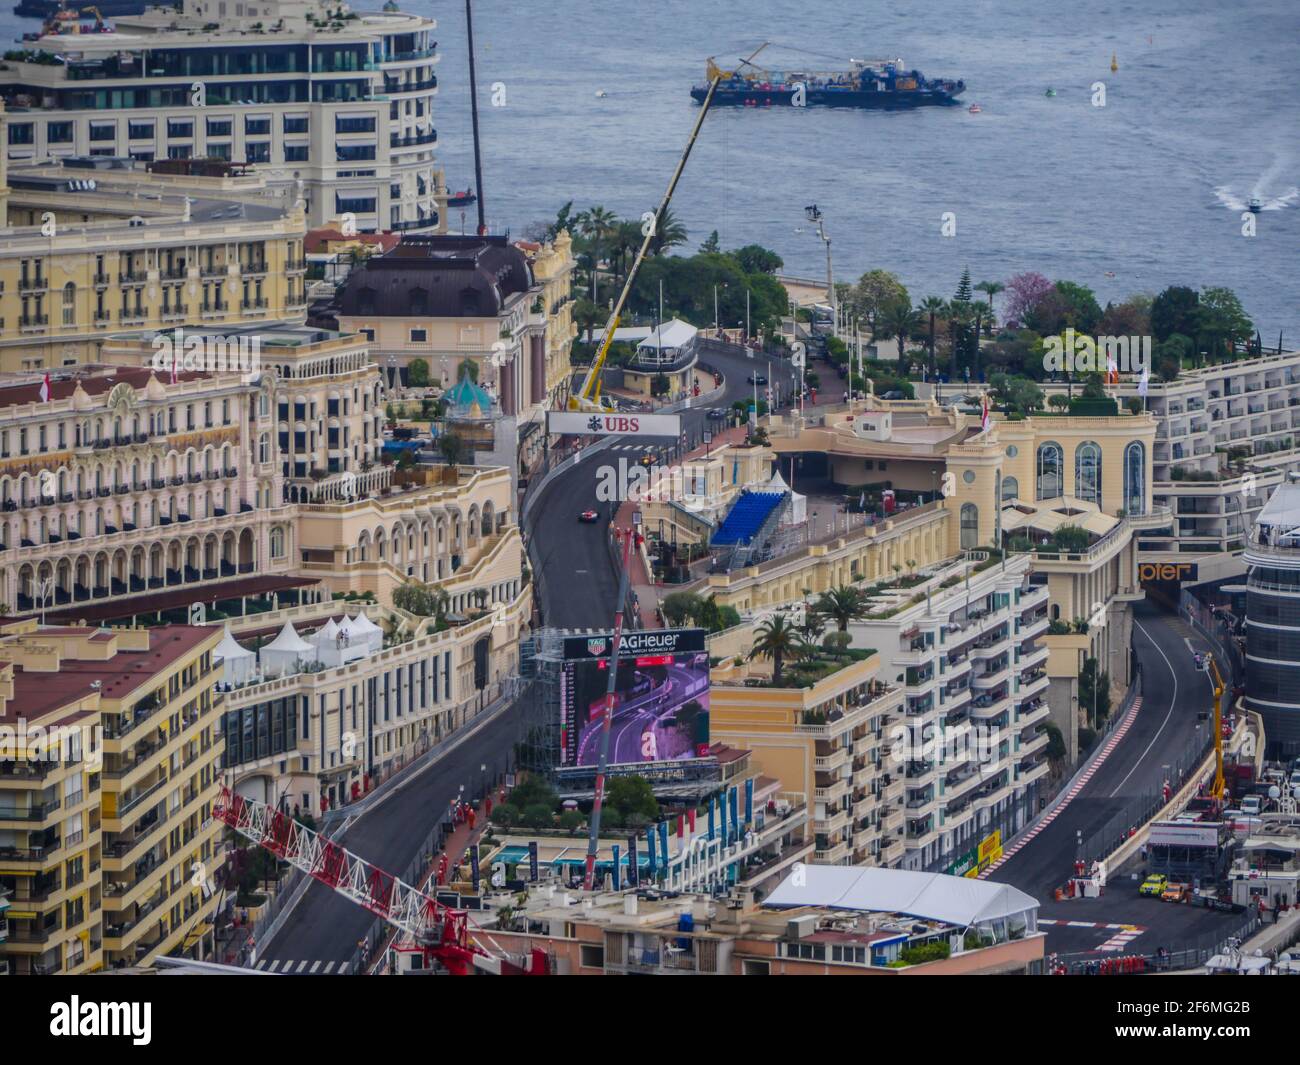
1144	381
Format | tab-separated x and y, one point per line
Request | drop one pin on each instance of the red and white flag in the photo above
1112	369
984	415
45	389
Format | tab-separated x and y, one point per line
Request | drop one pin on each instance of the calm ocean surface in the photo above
1206	96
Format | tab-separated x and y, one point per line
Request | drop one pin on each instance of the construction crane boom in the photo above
1219	788
437	930
588	397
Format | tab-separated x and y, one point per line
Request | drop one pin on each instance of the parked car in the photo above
1154	885
1252	805
1176	892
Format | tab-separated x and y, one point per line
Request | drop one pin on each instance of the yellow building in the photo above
101	833
825	741
92	255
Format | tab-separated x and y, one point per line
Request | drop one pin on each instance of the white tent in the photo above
798	504
286	654
956	900
238	662
362	632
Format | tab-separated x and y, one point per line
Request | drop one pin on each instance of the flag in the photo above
984	415
1112	369
45	389
1144	381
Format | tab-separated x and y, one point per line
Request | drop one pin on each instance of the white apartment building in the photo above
336	106
1251	407
970	744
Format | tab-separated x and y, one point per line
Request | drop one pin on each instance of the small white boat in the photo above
974	109
1255	206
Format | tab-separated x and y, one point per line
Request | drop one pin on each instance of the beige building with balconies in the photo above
100	835
93	254
826	741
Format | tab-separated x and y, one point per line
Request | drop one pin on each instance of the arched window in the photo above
970	525
1135	478
1087	472
1010	488
1049	471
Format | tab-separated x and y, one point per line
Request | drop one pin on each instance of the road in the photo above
579	584
1172	697
578	590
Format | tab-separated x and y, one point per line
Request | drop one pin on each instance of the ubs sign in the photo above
1167	571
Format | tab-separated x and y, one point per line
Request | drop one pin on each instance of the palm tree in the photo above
669	233
596	224
897	319
776	639
991	289
842	605
933	306
980	313
625	238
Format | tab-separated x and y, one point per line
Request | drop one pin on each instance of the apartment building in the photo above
1247	411
353	710
968	744
826	741
335	106
93	253
99	837
1273	620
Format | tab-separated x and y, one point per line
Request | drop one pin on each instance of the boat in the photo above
1255	205
461	199
883	84
1050	92
974	109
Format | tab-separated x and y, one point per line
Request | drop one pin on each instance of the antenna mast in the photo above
473	106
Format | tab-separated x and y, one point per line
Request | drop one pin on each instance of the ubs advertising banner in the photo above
580	423
661	698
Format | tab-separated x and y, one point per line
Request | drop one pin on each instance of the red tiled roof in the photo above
93	385
316	239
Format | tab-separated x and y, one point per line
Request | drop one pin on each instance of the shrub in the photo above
538	816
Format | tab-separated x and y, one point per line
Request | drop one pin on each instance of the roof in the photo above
671	334
64	383
465	394
316	239
438	277
289	640
958	900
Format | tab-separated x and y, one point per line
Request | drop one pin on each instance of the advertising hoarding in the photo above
581	423
661	698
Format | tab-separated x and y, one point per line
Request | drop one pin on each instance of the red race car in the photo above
589	516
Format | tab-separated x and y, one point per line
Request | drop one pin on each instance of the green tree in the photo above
1174	311
417	372
875	290
963	293
897	319
1094	692
679	607
991	289
843	605
670	233
1222	321
755	259
538	816
711	246
1081	308
595	224
452	447
467	366
775	639
633	798
571	821
534	789
933	307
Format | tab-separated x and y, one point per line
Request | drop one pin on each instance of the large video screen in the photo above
661	698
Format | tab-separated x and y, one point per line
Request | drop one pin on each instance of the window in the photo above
180	127
257	127
295	153
103	131
220	127
1087	472
295	125
355	204
178	151
259	152
58	133
1135	470
139	131
419	336
22	133
970	525
355	124
1010	488
1049	471
69	304
348	153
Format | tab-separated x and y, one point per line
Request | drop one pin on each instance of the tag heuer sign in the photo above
636	643
613	423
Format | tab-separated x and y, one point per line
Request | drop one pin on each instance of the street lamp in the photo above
814	215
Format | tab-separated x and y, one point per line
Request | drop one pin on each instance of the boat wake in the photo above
1234	202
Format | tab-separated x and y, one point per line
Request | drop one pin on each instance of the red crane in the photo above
425	925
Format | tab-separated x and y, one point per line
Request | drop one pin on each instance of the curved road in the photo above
1173	695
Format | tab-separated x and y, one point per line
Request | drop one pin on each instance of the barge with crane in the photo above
872	84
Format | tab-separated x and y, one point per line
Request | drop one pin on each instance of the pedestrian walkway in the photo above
306	967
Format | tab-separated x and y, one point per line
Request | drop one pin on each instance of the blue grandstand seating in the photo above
747	516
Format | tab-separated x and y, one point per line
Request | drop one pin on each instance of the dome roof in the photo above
438	277
465	395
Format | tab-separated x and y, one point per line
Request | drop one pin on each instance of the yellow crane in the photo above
588	397
1218	789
